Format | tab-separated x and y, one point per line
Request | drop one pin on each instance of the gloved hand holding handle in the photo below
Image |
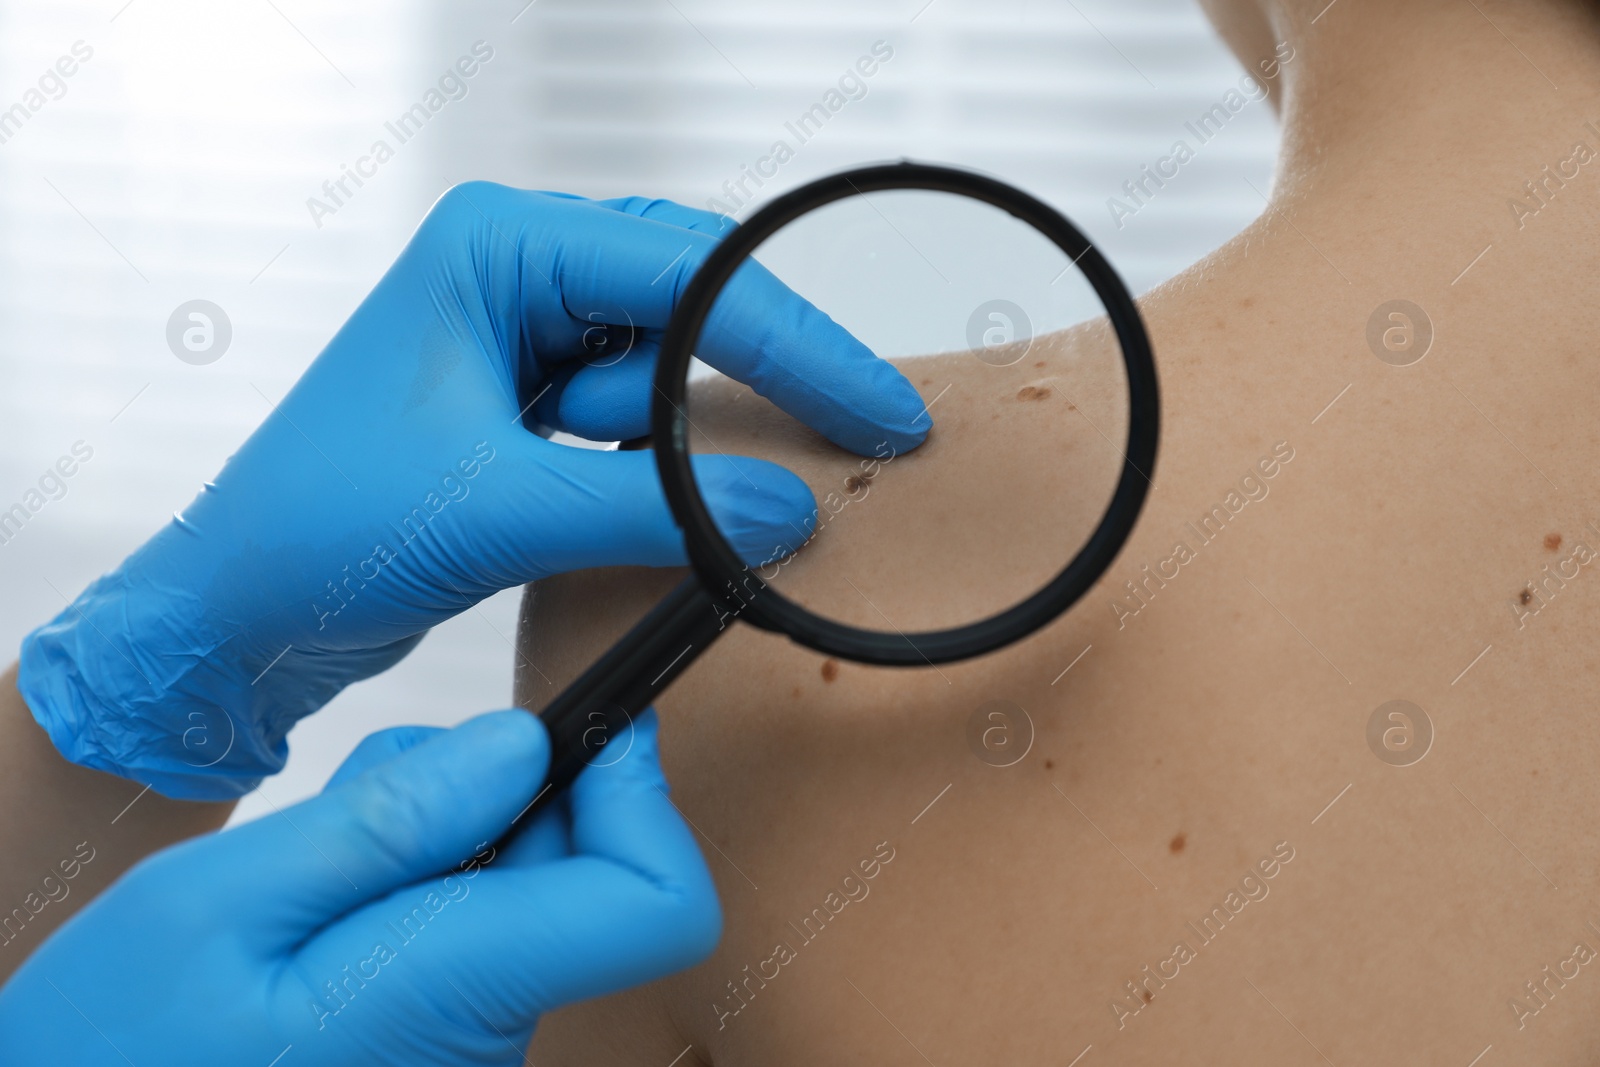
396	485
348	929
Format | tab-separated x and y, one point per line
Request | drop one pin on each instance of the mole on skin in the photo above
830	669
1033	392
1177	843
1525	596
1552	541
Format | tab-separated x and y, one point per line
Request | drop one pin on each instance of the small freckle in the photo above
797	692
1033	392
1177	843
1535	772
1248	302
927	381
1552	541
830	669
1050	765
1147	995
1525	596
1039	364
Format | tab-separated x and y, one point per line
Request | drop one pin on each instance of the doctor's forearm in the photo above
69	831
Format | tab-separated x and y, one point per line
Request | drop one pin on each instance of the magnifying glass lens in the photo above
1027	410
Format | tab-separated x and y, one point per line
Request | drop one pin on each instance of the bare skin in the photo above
70	831
1222	731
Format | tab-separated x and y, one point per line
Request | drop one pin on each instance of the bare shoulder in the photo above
1202	717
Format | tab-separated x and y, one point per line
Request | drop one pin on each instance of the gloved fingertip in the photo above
379	748
610	401
648	723
906	419
765	511
644	757
546	408
876	411
639	762
513	734
604	418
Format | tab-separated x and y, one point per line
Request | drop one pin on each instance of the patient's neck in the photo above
1428	101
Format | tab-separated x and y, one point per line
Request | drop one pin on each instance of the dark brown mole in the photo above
1552	541
1177	843
854	483
1050	764
1147	995
830	669
1033	392
1525	596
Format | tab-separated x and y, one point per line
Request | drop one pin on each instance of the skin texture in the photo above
70	830
1225	726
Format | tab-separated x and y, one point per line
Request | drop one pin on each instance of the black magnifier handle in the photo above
594	712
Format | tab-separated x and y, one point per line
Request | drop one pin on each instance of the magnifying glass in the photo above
912	258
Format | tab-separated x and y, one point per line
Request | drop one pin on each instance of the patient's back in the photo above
1210	854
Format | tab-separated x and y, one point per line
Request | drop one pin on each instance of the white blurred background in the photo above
178	161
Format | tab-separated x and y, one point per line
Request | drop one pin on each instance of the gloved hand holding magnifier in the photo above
294	935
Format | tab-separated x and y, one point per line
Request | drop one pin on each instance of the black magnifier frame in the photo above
589	719
715	560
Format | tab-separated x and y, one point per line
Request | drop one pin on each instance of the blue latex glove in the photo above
396	486
345	930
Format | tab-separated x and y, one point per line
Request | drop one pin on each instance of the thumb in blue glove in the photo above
347	929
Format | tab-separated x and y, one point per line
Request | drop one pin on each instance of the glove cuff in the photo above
151	711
